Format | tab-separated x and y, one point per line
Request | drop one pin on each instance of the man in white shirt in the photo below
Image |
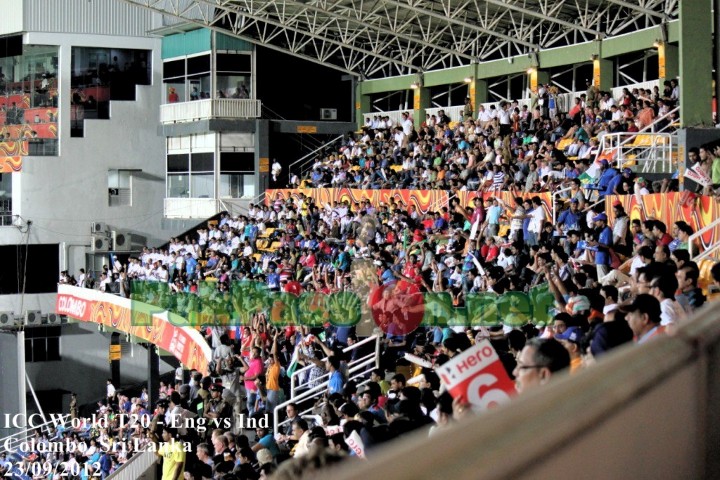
110	390
537	220
407	124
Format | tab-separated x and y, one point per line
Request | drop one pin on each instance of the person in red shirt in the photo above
659	231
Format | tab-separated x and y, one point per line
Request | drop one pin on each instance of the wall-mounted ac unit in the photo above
98	227
328	114
100	243
123	241
53	319
33	317
7	319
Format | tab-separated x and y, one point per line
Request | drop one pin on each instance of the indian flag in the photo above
293	362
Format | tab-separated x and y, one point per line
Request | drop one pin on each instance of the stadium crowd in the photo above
613	282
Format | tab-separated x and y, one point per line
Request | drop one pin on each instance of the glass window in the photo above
234	86
197	65
29	101
99	75
228	62
178	163
203	162
237	162
237	185
201	185
178	186
119	188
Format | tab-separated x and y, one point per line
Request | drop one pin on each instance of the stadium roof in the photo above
383	38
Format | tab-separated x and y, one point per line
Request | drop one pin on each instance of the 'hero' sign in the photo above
478	377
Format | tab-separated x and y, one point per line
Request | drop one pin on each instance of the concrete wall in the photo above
84	366
104	17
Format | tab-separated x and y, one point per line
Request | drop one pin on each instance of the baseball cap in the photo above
627	171
644	303
604	163
216	387
574	200
617	203
572	334
599	217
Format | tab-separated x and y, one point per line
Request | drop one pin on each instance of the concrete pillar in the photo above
696	63
362	105
153	374
262	156
115	359
421	101
603	74
668	62
478	93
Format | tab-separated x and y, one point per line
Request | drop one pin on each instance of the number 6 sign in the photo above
478	377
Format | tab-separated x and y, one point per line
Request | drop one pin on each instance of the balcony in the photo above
231	108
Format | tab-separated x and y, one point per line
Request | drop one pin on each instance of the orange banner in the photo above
87	305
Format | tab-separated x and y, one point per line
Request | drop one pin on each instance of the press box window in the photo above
120	188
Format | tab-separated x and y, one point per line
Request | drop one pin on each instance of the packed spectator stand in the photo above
613	280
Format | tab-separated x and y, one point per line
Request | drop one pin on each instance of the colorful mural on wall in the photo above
698	211
423	200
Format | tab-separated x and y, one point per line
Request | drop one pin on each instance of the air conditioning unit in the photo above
328	114
7	319
53	319
100	243
33	317
127	242
99	227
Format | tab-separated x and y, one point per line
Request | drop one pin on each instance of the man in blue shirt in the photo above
336	379
606	176
569	219
603	244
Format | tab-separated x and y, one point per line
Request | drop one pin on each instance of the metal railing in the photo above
308	158
134	468
356	370
12	442
645	149
210	108
696	256
302	371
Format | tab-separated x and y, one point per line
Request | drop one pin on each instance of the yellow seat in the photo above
275	246
257	256
705	279
563	143
395	168
642	140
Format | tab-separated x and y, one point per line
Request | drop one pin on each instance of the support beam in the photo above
153	384
644	10
461	23
695	63
547	18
